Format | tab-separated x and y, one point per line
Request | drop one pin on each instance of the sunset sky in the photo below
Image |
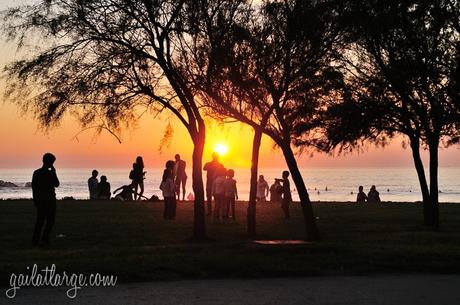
23	143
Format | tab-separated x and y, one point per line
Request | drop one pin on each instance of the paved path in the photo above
356	290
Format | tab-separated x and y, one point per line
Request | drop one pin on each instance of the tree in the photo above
401	70
275	60
104	60
215	36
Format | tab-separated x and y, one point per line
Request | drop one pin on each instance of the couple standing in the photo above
173	177
137	176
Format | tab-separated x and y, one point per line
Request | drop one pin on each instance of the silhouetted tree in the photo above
270	63
401	73
213	79
107	60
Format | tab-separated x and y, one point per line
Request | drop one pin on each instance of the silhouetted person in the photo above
180	176
92	185
168	188
231	194
103	189
276	191
373	195
127	192
137	176
218	191
361	197
262	189
44	182
211	169
287	197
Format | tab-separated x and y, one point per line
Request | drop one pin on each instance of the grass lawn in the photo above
133	241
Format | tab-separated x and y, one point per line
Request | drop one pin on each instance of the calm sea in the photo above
394	184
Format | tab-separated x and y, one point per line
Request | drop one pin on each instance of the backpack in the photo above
131	175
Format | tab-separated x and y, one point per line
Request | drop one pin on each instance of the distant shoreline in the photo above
235	167
238	202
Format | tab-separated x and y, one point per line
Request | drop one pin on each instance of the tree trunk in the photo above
310	220
199	225
251	214
434	189
415	146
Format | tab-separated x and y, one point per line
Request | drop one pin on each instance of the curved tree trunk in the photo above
310	220
251	213
415	146
434	189
199	225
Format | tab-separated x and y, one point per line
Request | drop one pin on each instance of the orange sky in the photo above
22	144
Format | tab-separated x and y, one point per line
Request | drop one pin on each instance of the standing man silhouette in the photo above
211	169
180	176
287	196
44	181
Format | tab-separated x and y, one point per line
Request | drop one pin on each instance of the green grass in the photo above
133	241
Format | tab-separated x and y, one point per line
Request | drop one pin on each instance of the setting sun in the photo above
221	149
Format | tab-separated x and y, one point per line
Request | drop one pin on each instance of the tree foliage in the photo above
110	60
400	68
401	65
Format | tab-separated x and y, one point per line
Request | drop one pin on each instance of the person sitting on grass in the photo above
103	189
231	194
361	197
373	195
168	187
127	192
92	185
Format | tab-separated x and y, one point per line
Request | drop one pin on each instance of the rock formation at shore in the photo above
7	184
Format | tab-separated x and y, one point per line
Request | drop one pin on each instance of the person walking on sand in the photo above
44	182
218	191
92	185
180	176
211	169
373	196
168	188
262	189
103	189
287	197
137	175
231	194
361	197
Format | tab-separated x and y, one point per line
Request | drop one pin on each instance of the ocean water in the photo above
394	184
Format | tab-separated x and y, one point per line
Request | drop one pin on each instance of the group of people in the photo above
132	191
276	190
221	188
372	196
98	190
135	189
